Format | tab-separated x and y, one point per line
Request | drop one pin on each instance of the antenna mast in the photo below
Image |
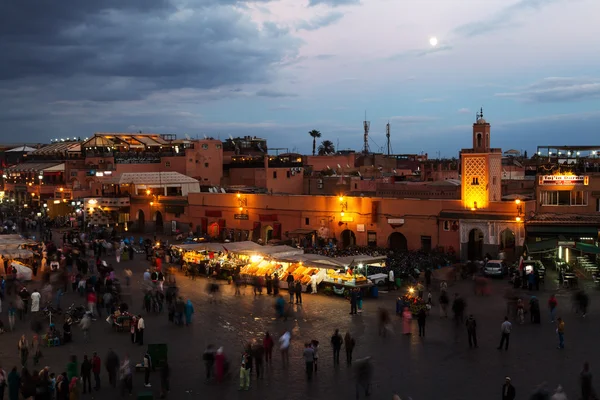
366	126
387	135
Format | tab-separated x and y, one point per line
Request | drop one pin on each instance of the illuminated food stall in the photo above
365	265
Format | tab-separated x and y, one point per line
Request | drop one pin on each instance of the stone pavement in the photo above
441	366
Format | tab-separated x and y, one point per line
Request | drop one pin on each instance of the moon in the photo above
433	41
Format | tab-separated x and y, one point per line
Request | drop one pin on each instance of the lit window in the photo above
579	198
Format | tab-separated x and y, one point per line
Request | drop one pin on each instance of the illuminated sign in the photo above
564	180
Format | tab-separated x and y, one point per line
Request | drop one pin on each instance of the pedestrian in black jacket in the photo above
472	331
86	374
508	390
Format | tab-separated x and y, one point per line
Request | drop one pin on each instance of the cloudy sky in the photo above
280	68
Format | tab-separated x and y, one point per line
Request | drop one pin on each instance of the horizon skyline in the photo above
278	69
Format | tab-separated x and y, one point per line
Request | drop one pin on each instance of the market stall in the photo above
369	266
24	273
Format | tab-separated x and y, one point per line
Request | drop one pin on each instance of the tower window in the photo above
479	140
475	181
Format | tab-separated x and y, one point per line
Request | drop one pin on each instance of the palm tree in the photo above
315	134
326	147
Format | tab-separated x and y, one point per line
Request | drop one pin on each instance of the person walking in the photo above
23	347
505	329
560	330
349	343
421	318
86	374
165	374
209	360
552	304
12	312
585	382
268	346
147	363
284	347
96	368
472	331
111	363
126	377
336	344
245	372
141	326
315	346
189	311
3	378
353	301
291	287
35	301
14	384
559	394
298	292
508	390
406	321
391	281
309	359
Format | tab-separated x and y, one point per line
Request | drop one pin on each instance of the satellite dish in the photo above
231	138
205	137
187	136
339	166
328	167
347	165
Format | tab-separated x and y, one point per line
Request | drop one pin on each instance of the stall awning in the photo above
542	246
563	230
310	260
588	248
361	259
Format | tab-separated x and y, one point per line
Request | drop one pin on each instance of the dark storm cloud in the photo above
205	46
273	93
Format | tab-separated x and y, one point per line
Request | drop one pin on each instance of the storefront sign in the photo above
567	244
240	216
564	180
347	219
395	221
360	227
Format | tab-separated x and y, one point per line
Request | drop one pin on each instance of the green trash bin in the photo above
145	396
398	282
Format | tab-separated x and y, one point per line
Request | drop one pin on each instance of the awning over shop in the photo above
542	246
571	230
16	253
588	248
361	259
310	260
272	250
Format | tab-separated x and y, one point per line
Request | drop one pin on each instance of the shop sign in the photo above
564	180
240	216
360	227
567	244
395	221
347	219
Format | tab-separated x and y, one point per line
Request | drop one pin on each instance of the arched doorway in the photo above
158	221
507	240
214	230
348	238
268	233
141	220
475	247
397	241
507	244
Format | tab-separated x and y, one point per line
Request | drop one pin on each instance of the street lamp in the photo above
343	205
519	210
242	202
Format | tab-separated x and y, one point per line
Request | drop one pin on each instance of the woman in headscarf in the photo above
220	364
74	389
189	310
62	387
14	384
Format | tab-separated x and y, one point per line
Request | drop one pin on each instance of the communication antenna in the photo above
366	126
387	135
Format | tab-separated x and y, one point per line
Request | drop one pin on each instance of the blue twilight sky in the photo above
278	69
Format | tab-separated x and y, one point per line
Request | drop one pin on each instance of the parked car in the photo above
494	268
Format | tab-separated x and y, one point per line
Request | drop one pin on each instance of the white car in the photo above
493	268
